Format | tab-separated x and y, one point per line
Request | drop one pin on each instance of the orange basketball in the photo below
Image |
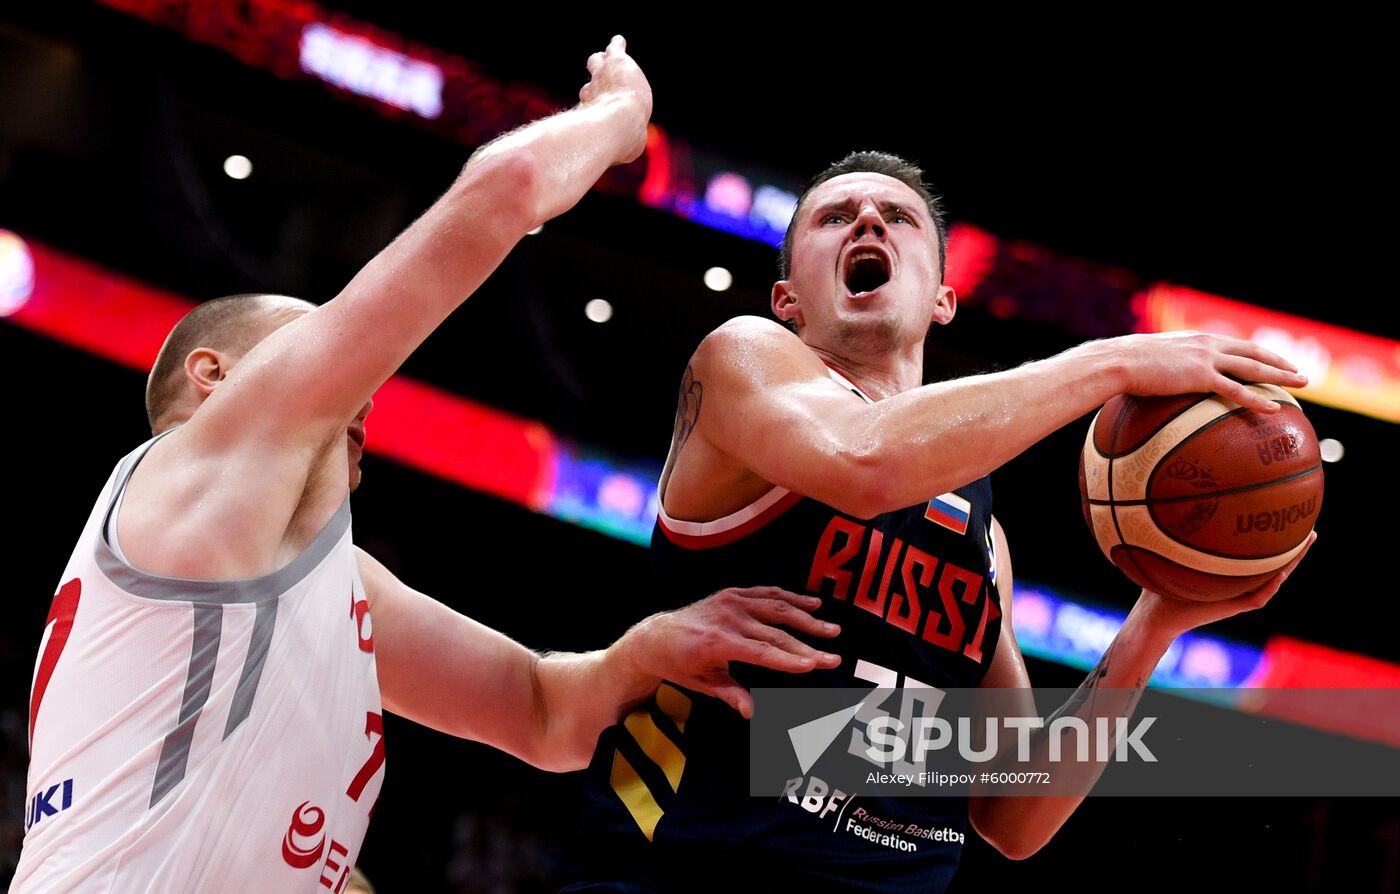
1196	497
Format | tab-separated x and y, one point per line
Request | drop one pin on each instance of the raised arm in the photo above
265	443
770	407
314	373
444	670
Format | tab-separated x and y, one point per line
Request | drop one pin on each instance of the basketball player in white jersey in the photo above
206	706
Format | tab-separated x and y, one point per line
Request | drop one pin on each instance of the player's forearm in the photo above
570	151
580	695
942	436
1018	826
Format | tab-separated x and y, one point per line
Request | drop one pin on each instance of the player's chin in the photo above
355	476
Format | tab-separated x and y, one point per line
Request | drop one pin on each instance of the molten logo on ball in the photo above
1276	520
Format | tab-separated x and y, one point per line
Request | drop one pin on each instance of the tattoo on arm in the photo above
1085	695
687	409
687	417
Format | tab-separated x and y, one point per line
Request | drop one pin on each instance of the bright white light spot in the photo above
16	273
598	310
238	167
1331	449
536	231
718	279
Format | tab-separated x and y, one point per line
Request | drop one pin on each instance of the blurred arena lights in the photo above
525	462
1006	277
1331	450
599	310
16	273
356	64
718	279
1053	628
239	167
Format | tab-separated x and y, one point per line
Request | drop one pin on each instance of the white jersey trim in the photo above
216	592
720	525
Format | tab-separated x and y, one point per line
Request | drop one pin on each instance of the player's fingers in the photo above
1256	371
1255	351
1288	569
764	654
723	687
808	603
1259	597
778	606
777	611
789	643
594	63
618	44
1236	391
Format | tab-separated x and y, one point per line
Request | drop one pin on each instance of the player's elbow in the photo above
865	483
552	760
557	754
1014	849
512	180
998	823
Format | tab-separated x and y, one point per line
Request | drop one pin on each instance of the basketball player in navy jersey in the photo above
206	711
810	456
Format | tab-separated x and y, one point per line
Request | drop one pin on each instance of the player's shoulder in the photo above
754	347
747	328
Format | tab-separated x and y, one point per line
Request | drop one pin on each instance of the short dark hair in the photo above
872	162
222	324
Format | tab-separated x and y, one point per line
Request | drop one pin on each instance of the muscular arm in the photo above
1020	826
314	373
771	409
444	670
242	462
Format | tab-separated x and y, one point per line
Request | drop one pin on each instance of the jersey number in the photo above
56	630
374	726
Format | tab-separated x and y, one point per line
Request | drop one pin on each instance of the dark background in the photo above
1247	161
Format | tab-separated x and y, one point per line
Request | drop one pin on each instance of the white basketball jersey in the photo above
201	736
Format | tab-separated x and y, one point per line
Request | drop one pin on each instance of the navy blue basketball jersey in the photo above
915	593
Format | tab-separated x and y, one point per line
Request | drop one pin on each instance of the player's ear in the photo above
205	368
945	306
785	304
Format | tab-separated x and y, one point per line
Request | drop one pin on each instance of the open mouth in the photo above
866	271
357	436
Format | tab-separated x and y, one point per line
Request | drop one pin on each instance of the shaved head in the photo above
232	325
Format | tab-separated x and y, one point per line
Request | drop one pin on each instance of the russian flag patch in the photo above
951	511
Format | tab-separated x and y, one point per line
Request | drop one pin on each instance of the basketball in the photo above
1196	497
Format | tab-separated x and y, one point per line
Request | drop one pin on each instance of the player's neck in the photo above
879	377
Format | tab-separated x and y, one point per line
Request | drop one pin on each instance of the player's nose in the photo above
869	222
365	410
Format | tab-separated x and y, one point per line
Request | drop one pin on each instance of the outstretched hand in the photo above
1173	617
613	73
693	646
1184	362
